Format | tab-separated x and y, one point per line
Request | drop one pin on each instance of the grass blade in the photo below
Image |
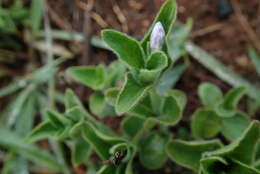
220	70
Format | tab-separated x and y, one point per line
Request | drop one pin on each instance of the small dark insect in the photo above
116	159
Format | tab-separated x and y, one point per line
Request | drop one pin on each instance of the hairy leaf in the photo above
98	105
126	48
80	151
131	125
210	94
152	152
228	106
189	154
91	76
100	142
243	148
233	127
111	95
205	123
130	95
154	66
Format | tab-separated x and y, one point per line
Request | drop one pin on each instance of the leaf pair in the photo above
220	113
210	157
162	109
99	78
212	97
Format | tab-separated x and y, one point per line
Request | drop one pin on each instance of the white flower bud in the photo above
157	37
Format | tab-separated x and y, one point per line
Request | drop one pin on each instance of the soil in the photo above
228	41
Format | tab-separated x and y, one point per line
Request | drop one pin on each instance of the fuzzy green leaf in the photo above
115	74
42	131
98	105
171	111
228	106
111	95
243	148
126	48
180	97
213	165
80	151
233	127
152	152
75	114
210	94
130	95
107	170
189	154
91	76
131	125
72	101
205	123
100	142
154	66
144	108
166	16
57	120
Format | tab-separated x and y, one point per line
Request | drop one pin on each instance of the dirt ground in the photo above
224	38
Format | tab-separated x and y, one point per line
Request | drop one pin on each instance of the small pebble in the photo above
224	9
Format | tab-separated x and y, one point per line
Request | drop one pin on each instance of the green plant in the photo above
212	157
138	86
142	70
220	113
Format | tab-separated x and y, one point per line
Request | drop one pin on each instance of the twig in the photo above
85	6
246	26
120	15
207	30
57	19
86	31
100	21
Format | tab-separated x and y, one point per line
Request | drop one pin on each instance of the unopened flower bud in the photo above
157	37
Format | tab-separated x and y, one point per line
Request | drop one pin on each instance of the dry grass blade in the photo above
246	26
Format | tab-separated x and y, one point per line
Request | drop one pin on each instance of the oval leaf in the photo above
91	76
228	106
152	152
205	123
154	66
171	111
233	127
131	125
126	48
189	154
210	94
130	95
